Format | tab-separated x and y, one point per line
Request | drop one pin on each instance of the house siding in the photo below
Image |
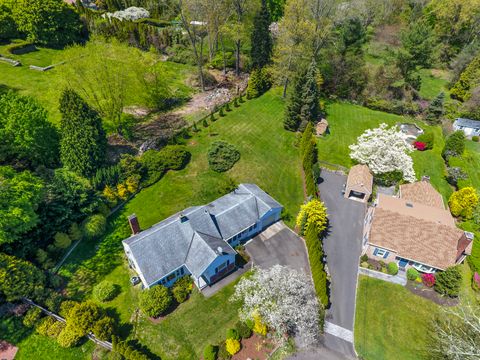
209	272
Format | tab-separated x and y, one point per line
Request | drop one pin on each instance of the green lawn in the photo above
35	346
470	162
391	323
268	158
433	83
46	86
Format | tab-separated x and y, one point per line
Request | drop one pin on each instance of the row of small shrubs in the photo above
155	301
446	282
127	351
234	336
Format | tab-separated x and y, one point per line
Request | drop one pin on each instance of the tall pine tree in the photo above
294	104
262	44
310	109
435	109
83	143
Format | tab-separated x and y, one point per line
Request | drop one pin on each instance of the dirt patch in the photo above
388	34
7	350
255	347
430	294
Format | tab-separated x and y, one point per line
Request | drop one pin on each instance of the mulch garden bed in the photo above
430	294
255	348
7	350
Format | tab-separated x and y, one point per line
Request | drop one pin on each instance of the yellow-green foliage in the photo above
463	201
312	213
62	240
233	346
468	80
259	326
315	256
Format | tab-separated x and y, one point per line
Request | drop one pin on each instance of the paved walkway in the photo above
399	279
342	246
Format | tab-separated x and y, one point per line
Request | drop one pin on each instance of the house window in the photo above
182	271
380	253
171	277
221	267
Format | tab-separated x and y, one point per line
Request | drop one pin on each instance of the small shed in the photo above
468	126
359	183
322	127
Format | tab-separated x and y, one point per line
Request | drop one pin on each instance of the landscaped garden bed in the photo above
255	347
418	288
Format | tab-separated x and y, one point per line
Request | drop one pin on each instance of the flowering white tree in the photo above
384	150
457	333
285	300
132	13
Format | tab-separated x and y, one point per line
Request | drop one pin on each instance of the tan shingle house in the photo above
415	230
359	183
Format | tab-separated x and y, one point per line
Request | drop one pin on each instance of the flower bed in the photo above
255	347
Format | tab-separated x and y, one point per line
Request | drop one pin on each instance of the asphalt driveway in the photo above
342	247
278	245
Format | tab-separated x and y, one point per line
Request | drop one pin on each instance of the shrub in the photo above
174	157
463	202
83	316
104	328
243	330
182	288
223	354
412	274
210	352
44	325
105	291
75	232
448	281
259	82
69	337
233	334
427	138
32	316
390	178
155	301
364	258
66	306
53	300
428	280
56	328
420	146
259	327
475	138
62	240
454	174
222	156
232	346
392	268
94	226
454	144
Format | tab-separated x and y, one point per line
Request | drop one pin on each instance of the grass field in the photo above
433	83
47	86
254	128
391	323
35	346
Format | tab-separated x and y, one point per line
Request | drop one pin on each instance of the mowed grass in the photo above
391	323
34	346
46	86
269	158
433	83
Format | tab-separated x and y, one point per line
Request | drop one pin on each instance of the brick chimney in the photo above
134	225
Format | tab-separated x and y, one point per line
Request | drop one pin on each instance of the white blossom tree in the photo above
384	150
457	333
285	300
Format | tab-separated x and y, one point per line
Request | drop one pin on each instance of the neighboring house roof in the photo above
194	236
422	192
417	232
360	179
321	127
469	123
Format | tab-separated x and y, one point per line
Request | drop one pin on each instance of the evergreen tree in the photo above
262	44
310	109
435	109
294	104
83	144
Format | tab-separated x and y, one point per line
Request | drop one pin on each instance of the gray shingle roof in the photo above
195	241
474	124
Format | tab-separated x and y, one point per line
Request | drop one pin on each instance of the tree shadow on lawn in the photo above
12	329
96	258
123	329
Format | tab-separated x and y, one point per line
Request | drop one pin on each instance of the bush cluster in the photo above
94	226
155	301
127	350
210	352
392	268
105	291
259	82
222	156
182	289
448	281
454	145
32	316
427	138
412	274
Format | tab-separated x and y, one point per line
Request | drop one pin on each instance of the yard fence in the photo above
107	345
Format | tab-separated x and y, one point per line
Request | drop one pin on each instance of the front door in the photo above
402	263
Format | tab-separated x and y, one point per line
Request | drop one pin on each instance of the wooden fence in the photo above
107	345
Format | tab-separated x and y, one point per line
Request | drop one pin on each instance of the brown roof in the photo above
359	177
422	192
321	127
416	232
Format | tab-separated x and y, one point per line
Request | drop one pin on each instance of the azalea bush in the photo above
420	146
428	280
384	150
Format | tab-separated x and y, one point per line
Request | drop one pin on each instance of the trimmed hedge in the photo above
315	256
392	268
105	291
412	274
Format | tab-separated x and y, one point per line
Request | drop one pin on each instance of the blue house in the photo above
200	240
